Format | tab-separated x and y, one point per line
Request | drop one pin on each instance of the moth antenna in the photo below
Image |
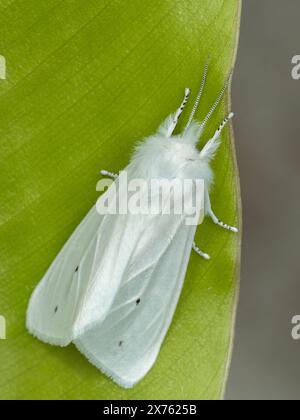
218	100
199	94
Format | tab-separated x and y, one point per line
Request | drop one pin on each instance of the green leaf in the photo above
84	82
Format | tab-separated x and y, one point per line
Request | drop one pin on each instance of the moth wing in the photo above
126	344
80	285
52	306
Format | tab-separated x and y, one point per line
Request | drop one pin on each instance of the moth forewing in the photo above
114	287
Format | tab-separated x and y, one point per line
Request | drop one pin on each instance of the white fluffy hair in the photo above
176	156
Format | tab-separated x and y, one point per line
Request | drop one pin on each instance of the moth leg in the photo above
222	126
214	218
199	252
178	112
108	173
222	224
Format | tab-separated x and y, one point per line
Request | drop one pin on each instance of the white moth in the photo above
114	287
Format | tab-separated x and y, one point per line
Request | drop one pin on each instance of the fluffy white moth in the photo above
114	287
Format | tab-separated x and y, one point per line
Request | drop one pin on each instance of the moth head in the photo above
172	153
193	129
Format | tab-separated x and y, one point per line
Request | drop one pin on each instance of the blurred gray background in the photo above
266	360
